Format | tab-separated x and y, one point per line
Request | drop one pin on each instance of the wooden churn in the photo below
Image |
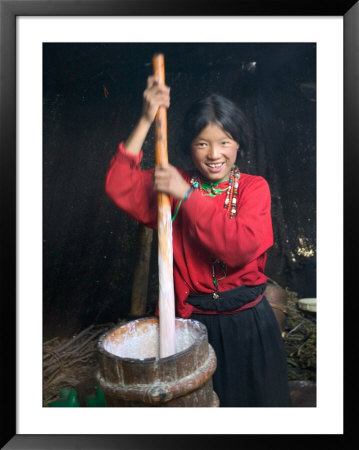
165	361
131	373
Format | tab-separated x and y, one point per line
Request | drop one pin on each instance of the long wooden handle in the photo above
165	249
161	153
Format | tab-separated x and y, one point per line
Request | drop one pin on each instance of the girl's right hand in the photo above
155	95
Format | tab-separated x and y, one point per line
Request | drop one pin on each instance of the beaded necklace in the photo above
211	189
230	203
215	280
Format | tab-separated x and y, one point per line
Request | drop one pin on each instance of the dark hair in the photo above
219	111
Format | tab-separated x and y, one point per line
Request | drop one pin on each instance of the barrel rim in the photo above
187	350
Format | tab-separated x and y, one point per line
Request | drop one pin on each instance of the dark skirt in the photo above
251	358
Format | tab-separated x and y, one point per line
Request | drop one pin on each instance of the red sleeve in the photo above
235	241
130	188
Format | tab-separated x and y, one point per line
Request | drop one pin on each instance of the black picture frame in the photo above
9	11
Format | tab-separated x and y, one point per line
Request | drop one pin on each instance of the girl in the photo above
222	230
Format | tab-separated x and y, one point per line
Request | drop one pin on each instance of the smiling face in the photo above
214	152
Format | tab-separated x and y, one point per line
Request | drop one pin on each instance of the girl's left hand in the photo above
167	179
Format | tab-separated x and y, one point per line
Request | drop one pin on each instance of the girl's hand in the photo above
167	179
155	95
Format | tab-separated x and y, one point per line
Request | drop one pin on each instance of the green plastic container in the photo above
69	398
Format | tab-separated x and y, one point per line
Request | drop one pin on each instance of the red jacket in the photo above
201	229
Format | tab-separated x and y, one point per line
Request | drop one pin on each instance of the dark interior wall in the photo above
92	96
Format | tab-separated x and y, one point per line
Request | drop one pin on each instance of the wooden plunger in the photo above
165	249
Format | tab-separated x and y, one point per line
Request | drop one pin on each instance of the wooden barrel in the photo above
131	373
